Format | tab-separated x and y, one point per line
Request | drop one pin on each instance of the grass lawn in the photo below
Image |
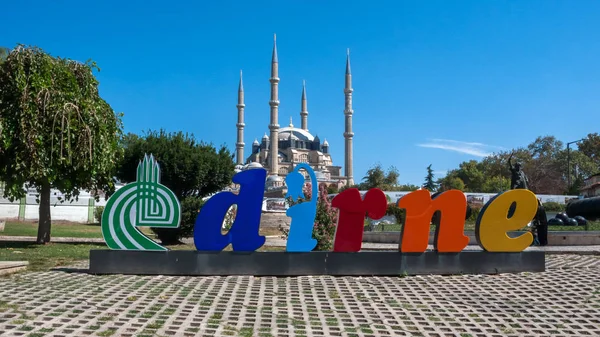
59	230
45	257
75	230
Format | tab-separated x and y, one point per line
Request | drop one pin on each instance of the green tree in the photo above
375	178
472	175
407	187
495	184
3	53
590	146
544	161
191	169
429	180
391	178
451	182
378	178
56	131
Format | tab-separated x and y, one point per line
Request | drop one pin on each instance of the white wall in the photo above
73	211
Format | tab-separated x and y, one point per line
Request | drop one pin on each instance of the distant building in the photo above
281	150
591	186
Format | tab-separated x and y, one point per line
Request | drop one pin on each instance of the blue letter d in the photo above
243	234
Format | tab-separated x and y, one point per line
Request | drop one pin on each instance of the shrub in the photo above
190	207
553	206
98	213
475	210
325	220
398	213
229	218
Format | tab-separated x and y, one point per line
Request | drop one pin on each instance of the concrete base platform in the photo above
9	267
195	263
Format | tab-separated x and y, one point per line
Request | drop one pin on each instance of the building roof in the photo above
593	175
590	187
253	165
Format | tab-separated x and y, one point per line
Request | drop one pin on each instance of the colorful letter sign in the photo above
243	235
144	203
449	234
148	203
303	214
493	221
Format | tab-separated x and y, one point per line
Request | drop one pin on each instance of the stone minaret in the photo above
348	134
239	146
303	109
274	103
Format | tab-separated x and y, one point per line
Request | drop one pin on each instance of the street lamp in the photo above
569	162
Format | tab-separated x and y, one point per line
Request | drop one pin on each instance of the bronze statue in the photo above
518	178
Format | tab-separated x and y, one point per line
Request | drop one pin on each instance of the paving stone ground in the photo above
563	301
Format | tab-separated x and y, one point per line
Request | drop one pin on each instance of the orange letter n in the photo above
449	234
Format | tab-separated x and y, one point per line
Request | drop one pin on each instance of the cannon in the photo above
588	208
564	217
580	220
555	222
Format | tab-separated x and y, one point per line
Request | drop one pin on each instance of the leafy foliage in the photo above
98	213
590	147
325	220
397	212
332	189
191	169
451	183
378	178
56	131
552	206
3	53
190	207
544	161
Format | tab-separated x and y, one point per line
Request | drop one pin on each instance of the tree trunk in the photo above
45	219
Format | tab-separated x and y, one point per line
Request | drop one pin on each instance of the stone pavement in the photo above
563	301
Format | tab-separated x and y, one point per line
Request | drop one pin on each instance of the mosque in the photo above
294	145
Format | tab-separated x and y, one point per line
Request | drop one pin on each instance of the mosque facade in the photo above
293	145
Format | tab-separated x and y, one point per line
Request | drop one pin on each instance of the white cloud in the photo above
471	148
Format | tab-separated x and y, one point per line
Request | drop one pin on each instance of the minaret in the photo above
239	146
303	108
274	104
348	134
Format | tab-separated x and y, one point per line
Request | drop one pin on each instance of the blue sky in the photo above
435	82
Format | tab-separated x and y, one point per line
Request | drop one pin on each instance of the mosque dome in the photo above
287	135
274	178
298	133
325	143
320	175
253	165
265	137
256	142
